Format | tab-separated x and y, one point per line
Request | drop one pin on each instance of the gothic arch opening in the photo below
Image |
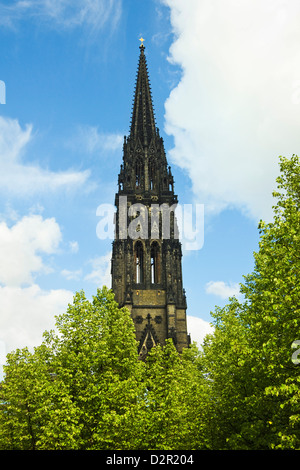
139	172
155	263
139	262
152	171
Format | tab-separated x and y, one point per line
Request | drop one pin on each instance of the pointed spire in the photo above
142	121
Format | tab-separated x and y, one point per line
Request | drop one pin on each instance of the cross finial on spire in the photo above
142	42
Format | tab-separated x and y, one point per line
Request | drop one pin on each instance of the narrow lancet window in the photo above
151	173
155	263
139	263
139	173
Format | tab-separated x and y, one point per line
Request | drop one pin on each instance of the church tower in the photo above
146	257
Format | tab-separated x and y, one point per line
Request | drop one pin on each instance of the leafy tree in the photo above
76	390
35	411
253	382
172	382
224	357
274	291
84	387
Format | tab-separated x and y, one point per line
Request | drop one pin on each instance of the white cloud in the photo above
236	107
2	352
13	139
223	290
68	14
198	329
100	273
71	275
19	179
74	247
90	140
21	246
27	312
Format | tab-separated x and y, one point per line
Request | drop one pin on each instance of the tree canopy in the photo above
254	382
85	387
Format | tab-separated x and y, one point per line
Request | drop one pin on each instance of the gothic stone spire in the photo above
145	171
146	268
142	121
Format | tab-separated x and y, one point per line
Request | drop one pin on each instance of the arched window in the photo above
151	171
155	263
139	263
139	172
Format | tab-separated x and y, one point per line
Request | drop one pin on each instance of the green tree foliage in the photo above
86	388
77	389
172	382
254	384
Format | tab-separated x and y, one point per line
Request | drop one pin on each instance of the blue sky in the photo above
225	81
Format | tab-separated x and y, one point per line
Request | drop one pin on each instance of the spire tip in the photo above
142	43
